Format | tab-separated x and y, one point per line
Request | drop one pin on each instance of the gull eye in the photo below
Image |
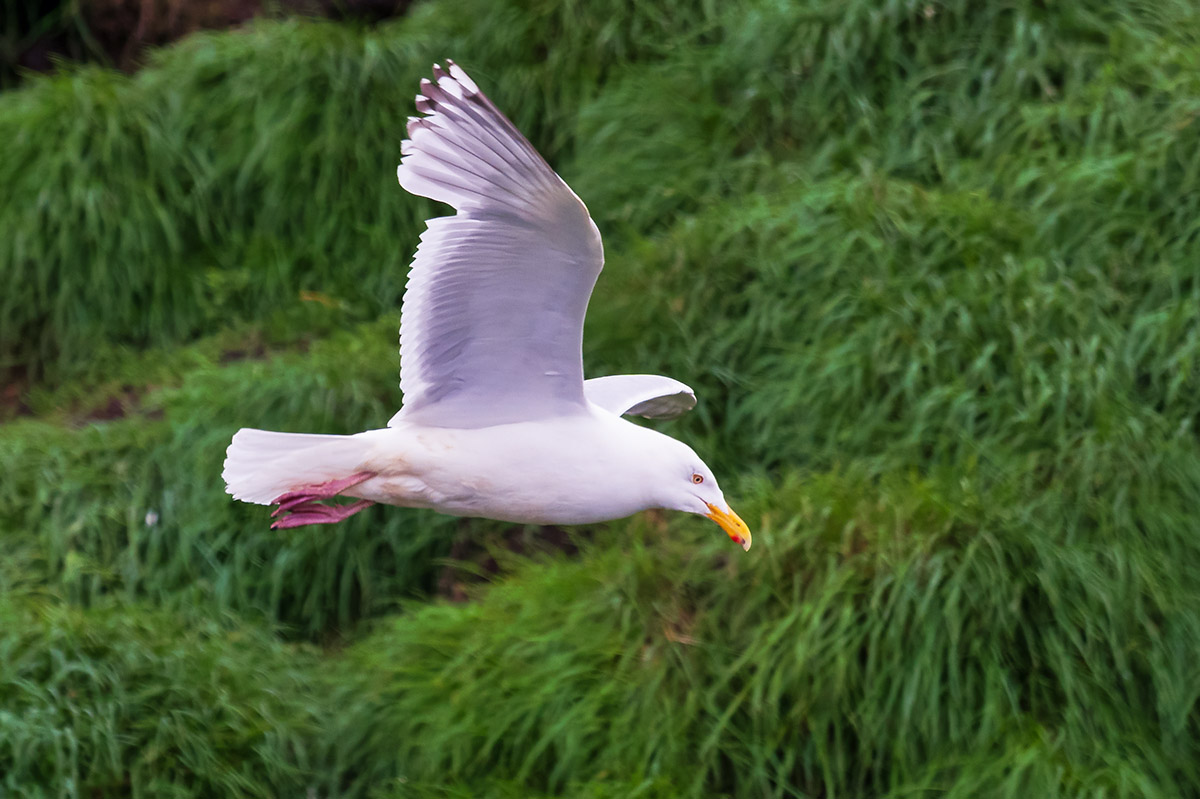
697	479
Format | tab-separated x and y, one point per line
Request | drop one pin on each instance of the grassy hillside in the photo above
933	269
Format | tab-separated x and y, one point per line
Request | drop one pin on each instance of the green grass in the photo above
931	268
843	662
190	155
97	486
107	700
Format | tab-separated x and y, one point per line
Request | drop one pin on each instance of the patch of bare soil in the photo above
120	31
12	395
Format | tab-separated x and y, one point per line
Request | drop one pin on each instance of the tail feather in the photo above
261	465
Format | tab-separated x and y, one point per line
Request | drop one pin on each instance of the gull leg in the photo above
323	490
301	507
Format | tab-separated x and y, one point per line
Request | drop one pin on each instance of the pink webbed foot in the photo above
316	513
298	508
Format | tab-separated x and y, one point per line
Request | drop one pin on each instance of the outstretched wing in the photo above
492	325
652	396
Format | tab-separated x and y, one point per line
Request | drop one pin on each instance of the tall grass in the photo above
107	702
129	507
253	166
931	268
903	635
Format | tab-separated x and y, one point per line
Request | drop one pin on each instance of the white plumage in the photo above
497	419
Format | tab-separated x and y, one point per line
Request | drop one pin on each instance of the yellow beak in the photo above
731	523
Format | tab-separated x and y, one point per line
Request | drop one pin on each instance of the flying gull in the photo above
497	420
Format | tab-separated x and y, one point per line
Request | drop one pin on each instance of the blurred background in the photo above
933	269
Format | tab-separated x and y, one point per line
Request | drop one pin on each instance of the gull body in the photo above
608	471
497	419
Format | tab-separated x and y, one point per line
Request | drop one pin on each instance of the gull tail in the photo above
261	465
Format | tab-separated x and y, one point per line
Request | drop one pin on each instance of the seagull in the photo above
497	420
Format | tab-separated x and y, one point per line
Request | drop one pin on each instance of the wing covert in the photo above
651	396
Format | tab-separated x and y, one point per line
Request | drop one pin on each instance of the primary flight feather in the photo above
497	419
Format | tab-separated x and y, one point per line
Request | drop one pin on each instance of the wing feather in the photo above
492	323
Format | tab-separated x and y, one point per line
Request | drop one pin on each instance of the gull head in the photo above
684	482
